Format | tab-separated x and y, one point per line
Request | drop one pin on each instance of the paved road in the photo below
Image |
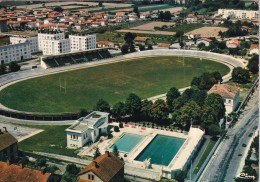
225	162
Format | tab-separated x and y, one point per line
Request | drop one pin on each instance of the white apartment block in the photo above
82	43
48	36
15	52
235	13
53	47
32	40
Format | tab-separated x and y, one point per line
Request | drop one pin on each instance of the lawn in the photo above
145	77
51	140
204	156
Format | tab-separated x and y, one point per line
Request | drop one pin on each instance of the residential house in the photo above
229	93
106	44
191	18
254	49
87	129
233	43
245	28
206	41
144	16
8	147
19	173
194	35
13	24
141	40
106	168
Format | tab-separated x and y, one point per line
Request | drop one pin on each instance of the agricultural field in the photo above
26	33
147	32
209	31
150	26
112	82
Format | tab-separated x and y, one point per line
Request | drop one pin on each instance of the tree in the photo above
115	151
72	169
124	48
136	10
179	34
180	177
102	106
2	69
213	130
160	110
100	4
41	162
97	153
146	110
206	80
141	47
181	44
132	48
58	9
52	169
82	113
172	94
129	38
253	64
201	45
116	128
133	105
150	47
118	110
240	75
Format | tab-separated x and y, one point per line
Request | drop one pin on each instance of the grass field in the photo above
113	82
186	27
51	140
204	155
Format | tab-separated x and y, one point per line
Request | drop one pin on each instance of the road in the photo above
225	162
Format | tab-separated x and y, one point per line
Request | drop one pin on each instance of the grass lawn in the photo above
186	27
204	156
145	77
51	140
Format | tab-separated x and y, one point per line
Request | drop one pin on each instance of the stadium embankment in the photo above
9	79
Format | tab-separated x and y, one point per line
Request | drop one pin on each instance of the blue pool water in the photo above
127	142
161	150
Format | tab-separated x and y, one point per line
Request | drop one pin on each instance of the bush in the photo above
52	169
121	125
240	75
116	128
72	169
41	162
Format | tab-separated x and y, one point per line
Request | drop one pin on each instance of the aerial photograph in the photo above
129	91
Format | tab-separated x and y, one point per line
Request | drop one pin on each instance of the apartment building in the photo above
53	47
82	43
15	52
236	13
21	39
49	36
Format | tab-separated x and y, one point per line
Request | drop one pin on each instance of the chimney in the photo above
21	165
8	162
107	153
4	129
219	82
96	164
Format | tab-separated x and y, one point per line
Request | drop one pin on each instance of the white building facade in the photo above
48	36
32	40
53	47
235	13
87	129
15	52
82	43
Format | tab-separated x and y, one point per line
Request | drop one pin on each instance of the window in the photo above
91	177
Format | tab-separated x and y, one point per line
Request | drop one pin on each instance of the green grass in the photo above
186	27
51	140
204	156
145	77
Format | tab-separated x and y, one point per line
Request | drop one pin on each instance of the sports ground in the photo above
145	77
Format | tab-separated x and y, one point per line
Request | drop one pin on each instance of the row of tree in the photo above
13	67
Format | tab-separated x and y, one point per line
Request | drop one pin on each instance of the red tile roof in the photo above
107	168
234	41
254	45
141	39
104	42
15	173
224	90
208	40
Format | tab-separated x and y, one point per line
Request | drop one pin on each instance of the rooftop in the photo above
224	90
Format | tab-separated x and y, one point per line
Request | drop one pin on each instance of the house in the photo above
144	16
8	146
233	43
32	25
230	94
106	168
106	44
19	173
254	49
245	28
206	41
87	129
163	45
141	40
175	46
194	35
191	18
133	18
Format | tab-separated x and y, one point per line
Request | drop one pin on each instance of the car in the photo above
239	154
243	145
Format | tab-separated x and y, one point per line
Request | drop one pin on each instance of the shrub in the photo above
121	125
41	162
116	128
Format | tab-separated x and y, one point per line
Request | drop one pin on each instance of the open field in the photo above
26	33
185	27
209	31
204	155
173	10
150	26
51	140
146	77
147	32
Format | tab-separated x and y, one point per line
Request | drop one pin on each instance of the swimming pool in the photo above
161	150
127	142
